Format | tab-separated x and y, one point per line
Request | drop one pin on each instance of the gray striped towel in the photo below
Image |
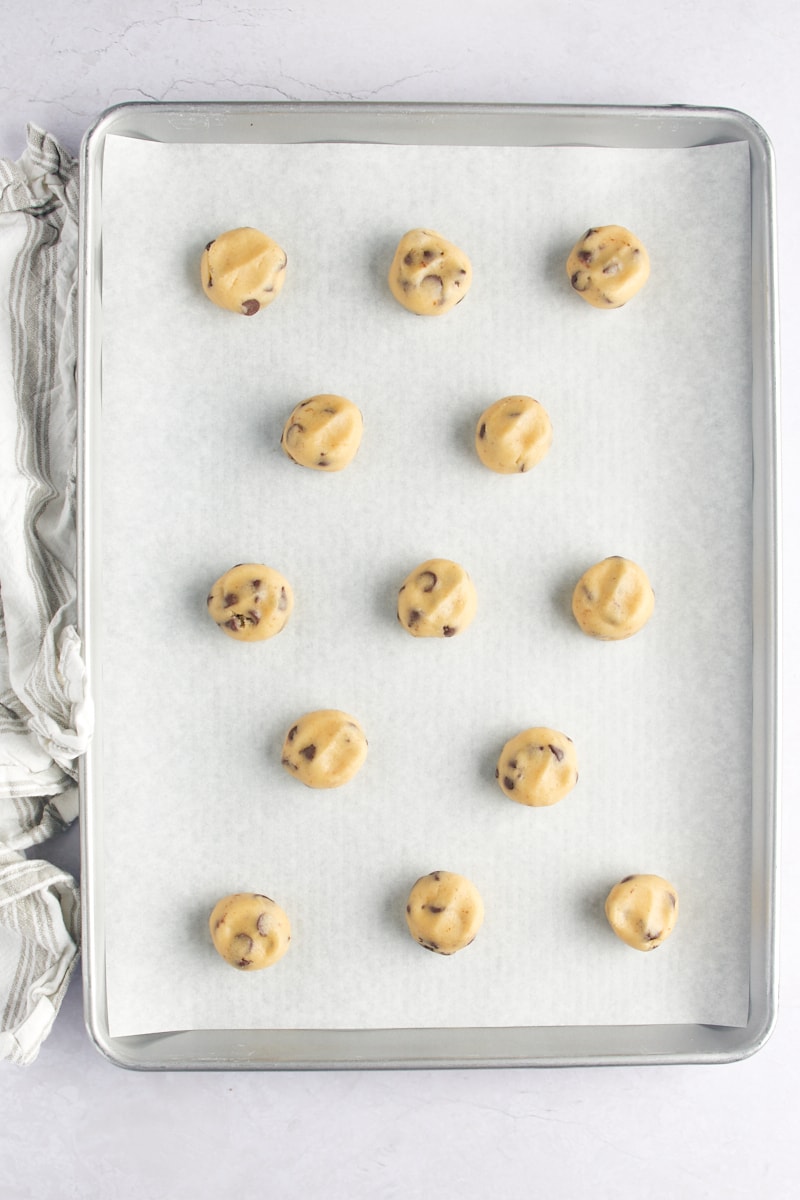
45	715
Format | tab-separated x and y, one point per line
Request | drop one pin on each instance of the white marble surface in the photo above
71	1125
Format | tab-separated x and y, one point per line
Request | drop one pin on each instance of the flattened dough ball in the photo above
243	271
513	435
429	275
250	602
324	749
538	767
608	266
642	910
438	599
323	433
249	931
613	600
444	912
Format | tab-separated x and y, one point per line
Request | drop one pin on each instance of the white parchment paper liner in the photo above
651	459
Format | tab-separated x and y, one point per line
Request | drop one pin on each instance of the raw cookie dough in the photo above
642	910
613	599
250	602
538	767
243	270
324	749
429	275
444	912
323	433
437	599
608	266
249	931
513	435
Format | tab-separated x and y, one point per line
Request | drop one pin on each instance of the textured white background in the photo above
72	1125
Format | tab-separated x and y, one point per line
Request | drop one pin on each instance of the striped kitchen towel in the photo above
45	715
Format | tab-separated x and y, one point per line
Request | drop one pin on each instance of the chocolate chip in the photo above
414	618
584	256
263	924
209	599
613	268
308	752
436	875
246	943
230	599
332	411
253	617
652	937
250	307
672	899
522	467
408	908
323	462
576	277
449	630
482	430
435	908
209	244
508	783
231	624
627	878
497	772
409	259
512	763
283	601
292	734
286	763
430	580
210	281
588	234
556	751
427	255
587	593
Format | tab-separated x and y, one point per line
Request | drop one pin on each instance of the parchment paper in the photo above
651	459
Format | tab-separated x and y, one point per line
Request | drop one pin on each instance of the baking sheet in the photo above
652	458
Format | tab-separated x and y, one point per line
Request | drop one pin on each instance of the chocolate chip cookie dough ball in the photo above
323	433
513	435
613	600
437	599
250	602
243	270
642	910
429	275
538	767
444	912
324	749
608	266
249	931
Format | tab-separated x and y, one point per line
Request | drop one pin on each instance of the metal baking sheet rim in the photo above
467	124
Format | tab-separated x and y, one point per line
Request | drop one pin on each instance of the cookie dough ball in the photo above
249	931
429	275
608	266
243	270
642	910
513	435
444	912
323	433
250	602
538	767
324	749
613	599
437	599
